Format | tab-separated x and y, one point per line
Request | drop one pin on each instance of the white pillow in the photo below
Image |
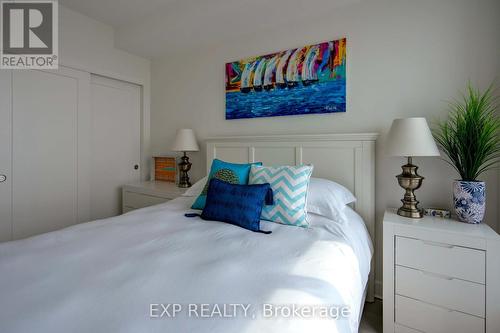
328	198
196	189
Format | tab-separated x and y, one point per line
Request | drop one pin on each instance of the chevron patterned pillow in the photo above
289	185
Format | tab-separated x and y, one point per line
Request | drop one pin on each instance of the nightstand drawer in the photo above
126	209
138	200
451	293
446	259
430	318
403	329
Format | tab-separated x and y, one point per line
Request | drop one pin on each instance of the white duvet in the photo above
111	275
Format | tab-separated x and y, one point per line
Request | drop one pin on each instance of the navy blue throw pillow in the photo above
240	205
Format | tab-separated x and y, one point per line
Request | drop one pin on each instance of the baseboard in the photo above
378	289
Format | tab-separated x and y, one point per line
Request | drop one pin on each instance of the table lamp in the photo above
185	141
410	137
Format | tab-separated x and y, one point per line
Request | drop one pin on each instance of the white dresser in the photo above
149	193
440	276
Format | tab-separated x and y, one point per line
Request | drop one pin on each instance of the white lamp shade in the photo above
185	140
411	137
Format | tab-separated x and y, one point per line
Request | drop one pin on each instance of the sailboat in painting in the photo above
258	75
306	80
292	70
247	77
280	70
309	70
270	72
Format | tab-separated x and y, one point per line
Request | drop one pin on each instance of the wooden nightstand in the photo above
144	194
440	275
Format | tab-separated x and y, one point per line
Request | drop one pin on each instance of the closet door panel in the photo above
115	143
5	155
45	150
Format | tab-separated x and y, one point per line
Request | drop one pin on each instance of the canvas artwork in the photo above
305	80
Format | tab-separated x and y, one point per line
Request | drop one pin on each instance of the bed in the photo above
127	273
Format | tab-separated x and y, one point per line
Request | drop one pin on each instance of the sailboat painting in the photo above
305	80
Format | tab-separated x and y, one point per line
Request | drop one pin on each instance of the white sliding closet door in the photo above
50	147
69	141
5	155
115	142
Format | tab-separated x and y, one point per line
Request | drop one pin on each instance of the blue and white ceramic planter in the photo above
469	198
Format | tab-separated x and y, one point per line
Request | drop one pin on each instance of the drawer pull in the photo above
448	246
439	307
440	276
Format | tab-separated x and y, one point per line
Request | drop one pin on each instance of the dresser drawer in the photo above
451	293
430	318
137	200
446	259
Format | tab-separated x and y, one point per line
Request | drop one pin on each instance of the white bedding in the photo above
102	276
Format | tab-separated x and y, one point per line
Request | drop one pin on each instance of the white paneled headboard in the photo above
348	159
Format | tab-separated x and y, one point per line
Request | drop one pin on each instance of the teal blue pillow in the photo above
232	173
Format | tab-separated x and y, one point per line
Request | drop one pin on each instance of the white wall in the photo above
405	58
88	45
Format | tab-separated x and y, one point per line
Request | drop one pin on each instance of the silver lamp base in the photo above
411	213
410	181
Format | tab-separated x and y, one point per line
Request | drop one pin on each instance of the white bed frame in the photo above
349	159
